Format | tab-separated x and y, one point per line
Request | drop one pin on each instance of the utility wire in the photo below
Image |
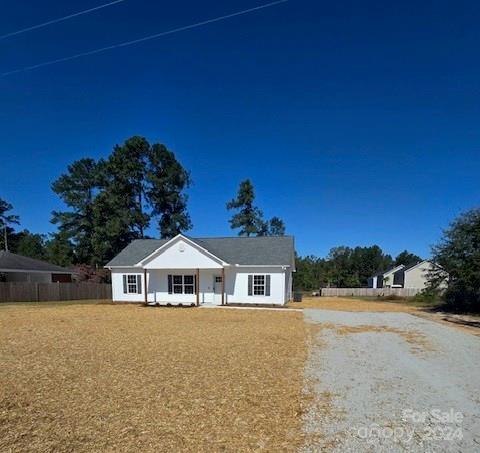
146	38
60	19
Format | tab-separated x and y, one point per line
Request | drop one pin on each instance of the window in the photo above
132	284
188	284
218	279
259	285
182	284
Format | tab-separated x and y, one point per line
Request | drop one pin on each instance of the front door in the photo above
217	289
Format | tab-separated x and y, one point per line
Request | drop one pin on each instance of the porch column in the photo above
198	287
145	284
223	286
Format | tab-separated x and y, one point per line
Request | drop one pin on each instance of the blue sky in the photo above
358	122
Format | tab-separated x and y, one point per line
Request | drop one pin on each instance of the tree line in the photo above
110	202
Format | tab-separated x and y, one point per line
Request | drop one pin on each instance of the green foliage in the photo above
406	258
344	267
30	244
167	180
6	220
59	250
249	218
458	256
78	188
112	201
276	227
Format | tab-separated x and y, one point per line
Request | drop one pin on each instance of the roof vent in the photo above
181	247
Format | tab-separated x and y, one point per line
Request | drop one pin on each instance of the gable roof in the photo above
411	266
254	251
389	271
13	262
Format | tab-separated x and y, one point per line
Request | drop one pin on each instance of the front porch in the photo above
185	287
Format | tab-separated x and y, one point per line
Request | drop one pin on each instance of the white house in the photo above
196	271
414	276
384	279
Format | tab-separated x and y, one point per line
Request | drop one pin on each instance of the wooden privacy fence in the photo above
42	292
369	292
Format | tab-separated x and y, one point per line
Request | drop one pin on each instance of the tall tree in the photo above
78	188
249	218
166	182
113	201
60	250
6	220
458	256
30	244
276	227
406	258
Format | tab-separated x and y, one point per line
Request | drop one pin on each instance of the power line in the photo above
146	38
60	19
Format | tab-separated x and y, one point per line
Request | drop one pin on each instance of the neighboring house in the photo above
216	271
18	268
414	276
384	279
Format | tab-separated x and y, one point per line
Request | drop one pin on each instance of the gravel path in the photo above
392	382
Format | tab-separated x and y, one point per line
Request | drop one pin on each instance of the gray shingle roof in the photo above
11	261
265	250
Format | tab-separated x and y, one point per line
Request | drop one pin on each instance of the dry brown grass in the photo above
346	304
129	378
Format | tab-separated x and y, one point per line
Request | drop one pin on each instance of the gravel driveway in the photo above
392	382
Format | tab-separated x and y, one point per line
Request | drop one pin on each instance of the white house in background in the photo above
413	276
211	271
384	279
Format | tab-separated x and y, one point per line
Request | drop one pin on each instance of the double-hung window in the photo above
132	284
259	285
181	284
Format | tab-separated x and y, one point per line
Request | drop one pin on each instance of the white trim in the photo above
118	267
132	284
189	241
416	265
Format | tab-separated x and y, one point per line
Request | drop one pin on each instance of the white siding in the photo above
182	255
117	285
158	287
417	276
237	285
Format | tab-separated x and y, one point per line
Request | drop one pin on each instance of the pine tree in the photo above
276	227
78	188
167	179
249	218
5	221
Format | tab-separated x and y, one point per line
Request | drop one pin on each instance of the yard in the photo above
98	377
89	377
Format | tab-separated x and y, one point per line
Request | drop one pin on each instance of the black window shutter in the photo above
139	284
124	284
170	289
250	285
195	284
267	285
